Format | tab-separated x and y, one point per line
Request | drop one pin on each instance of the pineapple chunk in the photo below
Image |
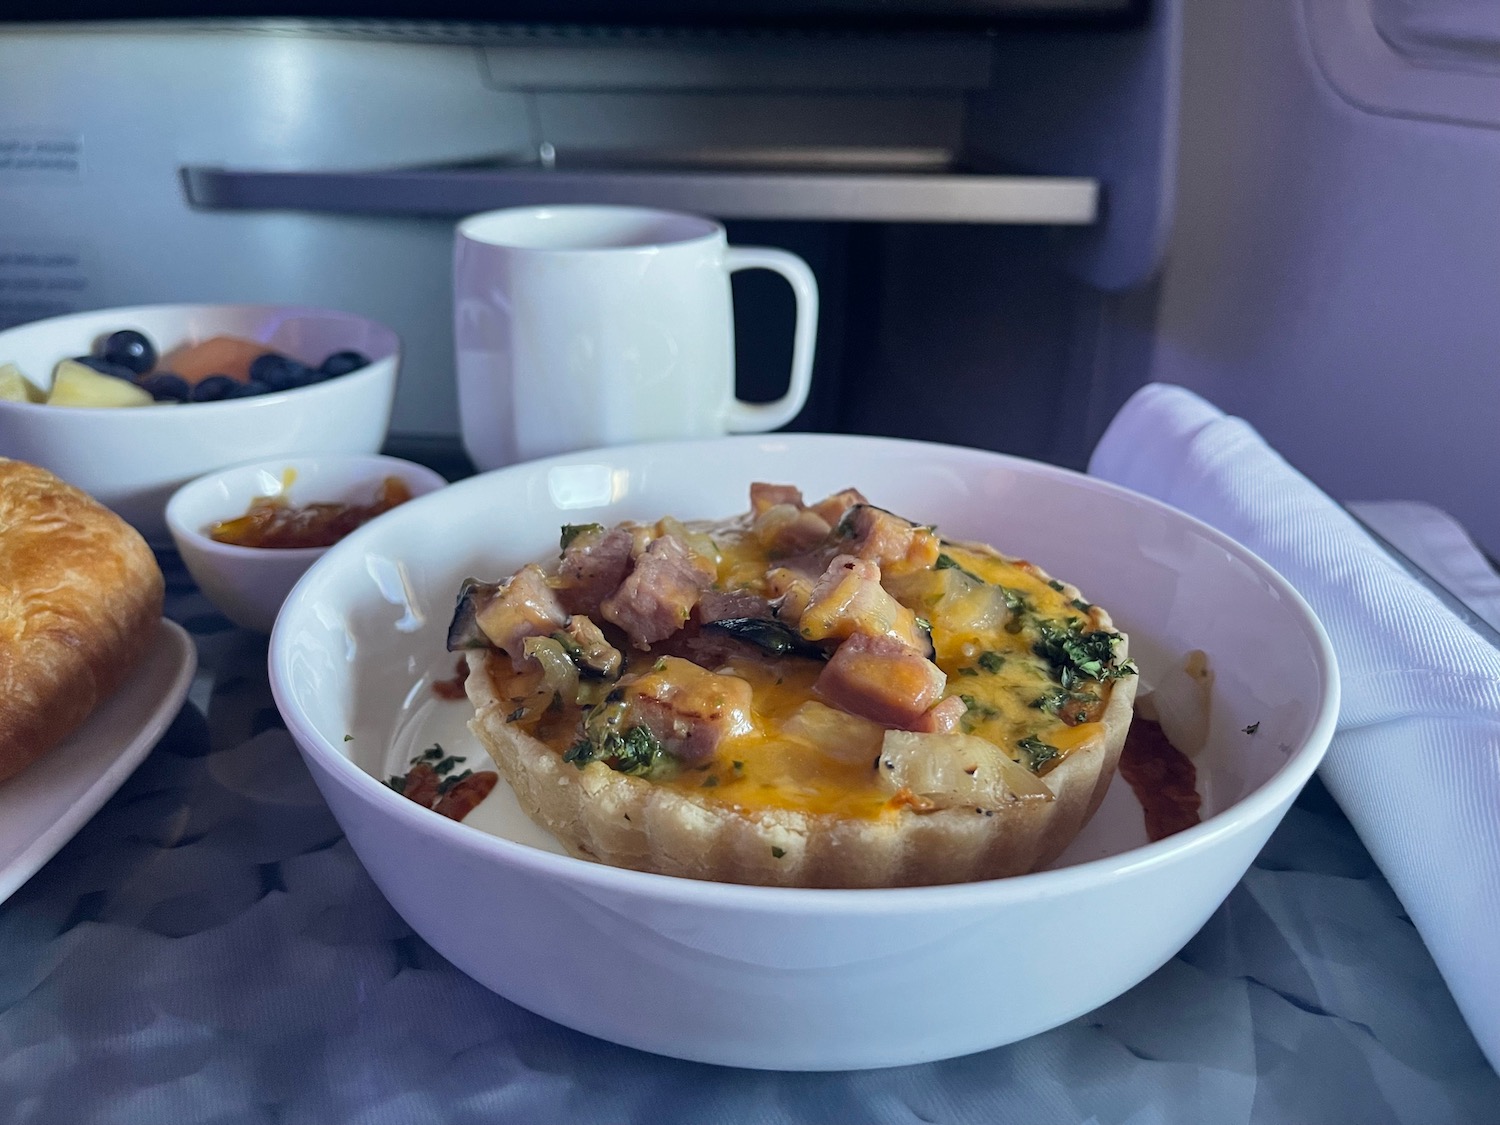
73	384
15	387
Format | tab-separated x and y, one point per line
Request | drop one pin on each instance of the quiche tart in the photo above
824	695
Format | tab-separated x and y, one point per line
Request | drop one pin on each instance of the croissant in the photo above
80	598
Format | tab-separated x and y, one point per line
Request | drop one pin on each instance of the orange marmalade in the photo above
273	522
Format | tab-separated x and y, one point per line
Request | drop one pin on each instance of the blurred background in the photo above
1019	211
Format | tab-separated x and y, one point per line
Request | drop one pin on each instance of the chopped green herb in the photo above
571	531
434	753
924	625
637	751
947	562
1039	755
1253	727
398	783
738	765
968	671
776	852
348	738
1017	606
710	781
516	715
1051	699
1055	584
446	765
1080	605
976	712
449	782
1055	700
991	661
640	752
1076	655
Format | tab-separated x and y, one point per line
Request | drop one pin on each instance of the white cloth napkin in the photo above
1415	763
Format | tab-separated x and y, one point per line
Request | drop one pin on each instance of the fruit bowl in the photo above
133	455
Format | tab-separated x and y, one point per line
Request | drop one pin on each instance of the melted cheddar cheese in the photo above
983	611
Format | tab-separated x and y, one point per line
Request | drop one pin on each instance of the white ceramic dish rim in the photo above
179	526
362	374
1281	786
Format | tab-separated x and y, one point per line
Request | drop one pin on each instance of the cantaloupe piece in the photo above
73	384
15	387
218	355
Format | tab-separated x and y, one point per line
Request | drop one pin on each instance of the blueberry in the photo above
130	349
251	388
167	387
341	363
269	368
212	388
280	373
105	367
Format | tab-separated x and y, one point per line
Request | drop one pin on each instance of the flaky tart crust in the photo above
80	601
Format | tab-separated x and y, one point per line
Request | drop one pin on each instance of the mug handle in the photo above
754	417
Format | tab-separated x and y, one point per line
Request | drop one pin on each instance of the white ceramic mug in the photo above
585	326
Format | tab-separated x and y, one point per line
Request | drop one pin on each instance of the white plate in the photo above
777	977
42	807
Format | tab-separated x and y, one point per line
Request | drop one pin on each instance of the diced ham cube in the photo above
690	710
881	679
522	606
764	496
593	566
888	540
833	507
659	594
849	599
942	717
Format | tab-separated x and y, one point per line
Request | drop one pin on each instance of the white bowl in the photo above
133	459
248	584
785	978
